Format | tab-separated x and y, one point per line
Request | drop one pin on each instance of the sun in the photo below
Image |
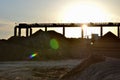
83	12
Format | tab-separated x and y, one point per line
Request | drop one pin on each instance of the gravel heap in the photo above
105	70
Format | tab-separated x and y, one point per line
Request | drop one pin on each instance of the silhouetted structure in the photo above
28	27
110	36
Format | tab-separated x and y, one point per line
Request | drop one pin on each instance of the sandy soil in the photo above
105	70
35	70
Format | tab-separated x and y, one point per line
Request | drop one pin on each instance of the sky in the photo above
13	12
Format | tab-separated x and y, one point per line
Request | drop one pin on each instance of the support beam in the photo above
15	31
30	31
19	32
101	31
64	31
82	33
27	32
118	32
45	29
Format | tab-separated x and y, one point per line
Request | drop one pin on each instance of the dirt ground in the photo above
36	70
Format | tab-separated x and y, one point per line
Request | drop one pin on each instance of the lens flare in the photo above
54	44
33	55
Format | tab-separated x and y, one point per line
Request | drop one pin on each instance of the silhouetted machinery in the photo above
28	27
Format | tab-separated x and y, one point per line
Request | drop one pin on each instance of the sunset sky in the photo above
56	11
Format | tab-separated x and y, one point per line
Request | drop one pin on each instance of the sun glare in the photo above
85	30
84	27
83	12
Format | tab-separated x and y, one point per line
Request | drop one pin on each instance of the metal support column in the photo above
64	31
19	32
30	31
118	32
45	29
82	32
15	31
101	31
27	32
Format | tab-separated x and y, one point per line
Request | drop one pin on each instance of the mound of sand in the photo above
108	45
92	69
109	36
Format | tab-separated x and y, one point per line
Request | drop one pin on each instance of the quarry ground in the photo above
35	70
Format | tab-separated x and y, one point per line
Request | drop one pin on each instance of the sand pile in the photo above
105	70
108	45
